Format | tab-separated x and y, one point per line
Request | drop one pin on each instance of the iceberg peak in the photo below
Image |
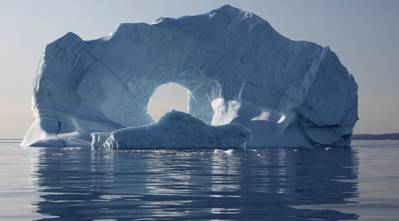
227	10
230	11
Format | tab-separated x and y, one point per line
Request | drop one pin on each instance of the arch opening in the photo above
167	97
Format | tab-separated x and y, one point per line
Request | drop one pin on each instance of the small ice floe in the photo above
219	151
72	148
216	151
229	151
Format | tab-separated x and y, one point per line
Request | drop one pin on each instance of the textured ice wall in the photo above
236	66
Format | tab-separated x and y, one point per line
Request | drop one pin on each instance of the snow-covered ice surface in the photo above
235	65
175	130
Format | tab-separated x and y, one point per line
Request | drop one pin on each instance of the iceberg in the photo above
237	69
174	130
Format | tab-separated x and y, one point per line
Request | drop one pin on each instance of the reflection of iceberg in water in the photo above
253	184
306	177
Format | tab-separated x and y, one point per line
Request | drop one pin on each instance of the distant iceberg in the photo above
235	65
174	130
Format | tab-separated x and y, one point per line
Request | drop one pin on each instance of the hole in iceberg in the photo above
167	97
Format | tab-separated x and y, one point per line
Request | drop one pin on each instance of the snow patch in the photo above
264	116
224	112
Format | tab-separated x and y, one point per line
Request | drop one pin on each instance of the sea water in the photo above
358	183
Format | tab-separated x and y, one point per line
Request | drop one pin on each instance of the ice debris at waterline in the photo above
174	130
235	65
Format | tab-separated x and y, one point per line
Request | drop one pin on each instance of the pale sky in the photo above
363	33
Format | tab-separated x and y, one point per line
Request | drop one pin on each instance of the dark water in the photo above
361	183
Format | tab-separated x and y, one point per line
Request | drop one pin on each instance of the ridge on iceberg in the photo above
174	130
235	65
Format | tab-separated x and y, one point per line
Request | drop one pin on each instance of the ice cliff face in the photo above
236	66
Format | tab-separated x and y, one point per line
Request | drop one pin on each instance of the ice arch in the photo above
237	67
167	97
